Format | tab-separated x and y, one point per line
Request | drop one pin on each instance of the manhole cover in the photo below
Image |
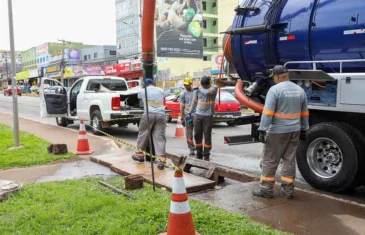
8	187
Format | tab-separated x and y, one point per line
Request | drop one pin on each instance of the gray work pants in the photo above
158	130
279	146
203	126
189	132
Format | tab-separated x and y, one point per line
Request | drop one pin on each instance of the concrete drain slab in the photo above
7	188
125	165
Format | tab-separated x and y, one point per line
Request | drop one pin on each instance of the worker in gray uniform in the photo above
284	123
186	101
157	124
204	100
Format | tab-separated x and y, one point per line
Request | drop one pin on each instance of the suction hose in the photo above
245	100
148	36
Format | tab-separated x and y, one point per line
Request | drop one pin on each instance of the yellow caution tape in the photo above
132	146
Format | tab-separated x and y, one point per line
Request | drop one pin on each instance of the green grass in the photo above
87	208
34	151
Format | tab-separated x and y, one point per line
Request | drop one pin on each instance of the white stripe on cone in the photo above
354	31
178	186
82	127
179	207
82	137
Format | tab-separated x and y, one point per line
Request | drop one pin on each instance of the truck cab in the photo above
102	100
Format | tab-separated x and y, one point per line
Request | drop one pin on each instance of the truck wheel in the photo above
331	157
96	122
61	121
168	119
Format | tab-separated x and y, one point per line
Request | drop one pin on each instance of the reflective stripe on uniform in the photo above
190	140
179	207
285	115
198	145
155	103
288	180
207	146
305	114
205	103
267	179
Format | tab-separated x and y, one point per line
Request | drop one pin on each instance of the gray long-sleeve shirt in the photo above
204	100
285	109
186	101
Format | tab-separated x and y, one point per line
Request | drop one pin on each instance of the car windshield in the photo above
110	84
226	97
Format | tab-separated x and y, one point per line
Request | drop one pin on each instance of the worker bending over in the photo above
157	124
284	122
186	101
204	100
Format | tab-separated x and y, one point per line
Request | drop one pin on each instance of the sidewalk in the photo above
60	135
308	213
59	171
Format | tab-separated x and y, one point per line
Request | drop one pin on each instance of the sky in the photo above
40	21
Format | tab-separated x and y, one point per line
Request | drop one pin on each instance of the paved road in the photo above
241	157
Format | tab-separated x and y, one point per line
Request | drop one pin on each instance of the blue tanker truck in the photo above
322	43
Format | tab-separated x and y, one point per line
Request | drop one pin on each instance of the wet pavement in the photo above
306	214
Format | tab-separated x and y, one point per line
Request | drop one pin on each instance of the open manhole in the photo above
7	188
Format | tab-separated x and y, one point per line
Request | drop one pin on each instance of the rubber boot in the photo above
199	155
287	191
192	152
207	157
266	190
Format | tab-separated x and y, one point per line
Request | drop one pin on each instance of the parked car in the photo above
9	91
226	109
172	91
101	99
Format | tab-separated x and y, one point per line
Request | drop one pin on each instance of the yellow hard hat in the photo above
188	81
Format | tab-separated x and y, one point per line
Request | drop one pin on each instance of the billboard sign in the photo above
42	49
179	29
73	55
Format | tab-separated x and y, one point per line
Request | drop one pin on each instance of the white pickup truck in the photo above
102	100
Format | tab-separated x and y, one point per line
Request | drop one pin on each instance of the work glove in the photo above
303	135
183	122
262	136
189	120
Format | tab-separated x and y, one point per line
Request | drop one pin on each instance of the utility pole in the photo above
13	74
63	62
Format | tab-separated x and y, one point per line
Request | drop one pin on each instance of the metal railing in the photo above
314	63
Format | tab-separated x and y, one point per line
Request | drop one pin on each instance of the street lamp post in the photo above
13	74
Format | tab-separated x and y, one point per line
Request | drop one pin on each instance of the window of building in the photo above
95	55
89	57
205	42
205	58
113	53
38	61
204	24
85	57
214	22
204	6
214	4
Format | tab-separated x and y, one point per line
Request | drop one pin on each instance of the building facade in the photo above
103	55
6	66
128	23
217	17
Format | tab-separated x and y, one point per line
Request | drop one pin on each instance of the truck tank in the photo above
265	33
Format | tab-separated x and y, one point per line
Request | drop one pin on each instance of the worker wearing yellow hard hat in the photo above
188	81
186	100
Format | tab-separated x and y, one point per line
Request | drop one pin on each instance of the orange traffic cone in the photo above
180	218
83	147
179	133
